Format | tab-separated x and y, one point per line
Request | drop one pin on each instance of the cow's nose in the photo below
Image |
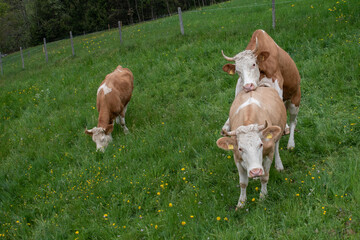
249	87
256	172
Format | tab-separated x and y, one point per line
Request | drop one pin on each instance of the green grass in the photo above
54	185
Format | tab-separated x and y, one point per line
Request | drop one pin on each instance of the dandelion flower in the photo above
183	223
170	205
218	218
77	232
158	193
253	200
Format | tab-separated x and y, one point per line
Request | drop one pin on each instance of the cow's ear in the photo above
272	133
109	129
226	143
263	56
89	132
229	68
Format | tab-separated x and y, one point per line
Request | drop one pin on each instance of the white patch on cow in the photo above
105	88
247	103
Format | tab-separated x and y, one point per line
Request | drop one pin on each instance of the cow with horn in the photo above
264	63
257	120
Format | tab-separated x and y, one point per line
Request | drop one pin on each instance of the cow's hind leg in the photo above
121	120
293	111
278	164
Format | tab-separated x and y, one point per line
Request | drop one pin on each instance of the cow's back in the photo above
121	81
265	104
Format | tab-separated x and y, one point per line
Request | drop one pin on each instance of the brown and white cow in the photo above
257	121
264	63
113	96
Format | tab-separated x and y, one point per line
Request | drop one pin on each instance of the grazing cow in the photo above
264	63
257	121
113	96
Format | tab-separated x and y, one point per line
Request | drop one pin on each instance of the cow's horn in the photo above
262	127
231	133
226	57
256	46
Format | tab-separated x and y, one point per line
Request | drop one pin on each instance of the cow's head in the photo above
251	143
101	136
247	66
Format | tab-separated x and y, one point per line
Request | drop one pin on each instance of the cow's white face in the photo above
250	147
100	138
248	70
252	142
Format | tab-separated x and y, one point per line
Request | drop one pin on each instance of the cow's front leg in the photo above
225	128
243	179
121	120
265	178
293	111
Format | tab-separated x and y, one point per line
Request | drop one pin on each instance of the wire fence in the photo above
57	50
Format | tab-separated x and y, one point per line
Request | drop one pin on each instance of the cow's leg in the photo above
121	120
287	129
265	178
226	127
293	111
243	179
278	164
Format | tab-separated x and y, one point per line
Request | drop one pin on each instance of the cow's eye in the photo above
261	145
254	65
240	149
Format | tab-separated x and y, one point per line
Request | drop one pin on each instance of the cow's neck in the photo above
104	118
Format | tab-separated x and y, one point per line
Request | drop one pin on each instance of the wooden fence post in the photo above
46	55
72	44
119	23
273	14
22	58
2	73
181	21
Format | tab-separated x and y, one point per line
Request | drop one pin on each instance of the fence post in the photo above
22	58
46	55
1	65
181	21
72	44
273	14
119	23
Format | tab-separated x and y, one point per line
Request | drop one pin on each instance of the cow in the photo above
264	63
257	121
112	100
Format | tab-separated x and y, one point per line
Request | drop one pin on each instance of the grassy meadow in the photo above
167	179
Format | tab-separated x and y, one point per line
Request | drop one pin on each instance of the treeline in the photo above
26	22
